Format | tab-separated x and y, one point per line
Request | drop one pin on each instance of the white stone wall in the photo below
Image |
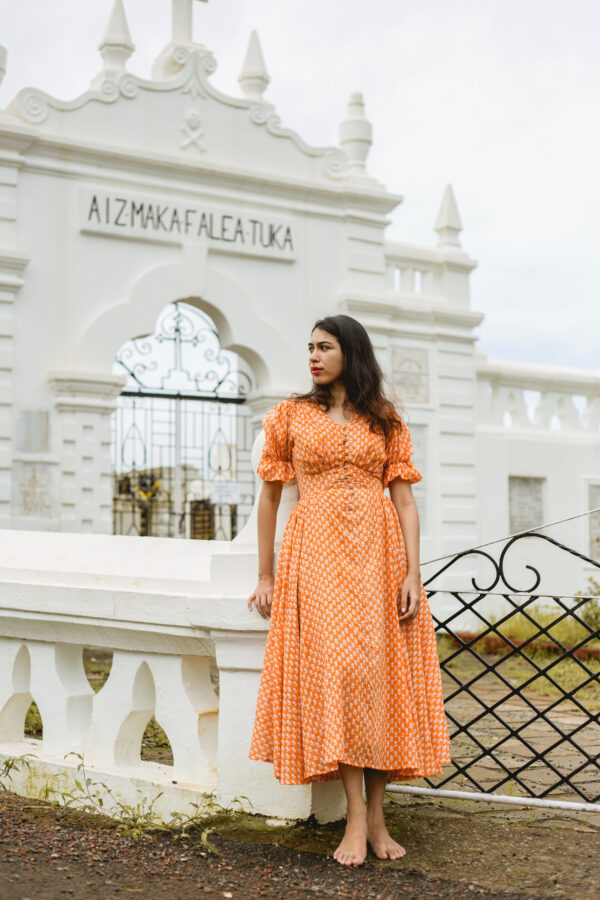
82	409
13	263
135	195
142	192
171	612
545	435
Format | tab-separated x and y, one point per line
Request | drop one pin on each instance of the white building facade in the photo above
143	193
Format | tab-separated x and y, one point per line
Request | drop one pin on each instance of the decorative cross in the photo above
182	20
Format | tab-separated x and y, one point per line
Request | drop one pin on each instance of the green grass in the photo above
568	632
568	673
33	722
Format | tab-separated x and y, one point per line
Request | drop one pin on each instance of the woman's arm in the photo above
268	504
402	497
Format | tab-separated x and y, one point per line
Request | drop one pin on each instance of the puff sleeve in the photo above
276	458
398	463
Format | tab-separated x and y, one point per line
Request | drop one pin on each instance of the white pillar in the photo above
239	659
83	405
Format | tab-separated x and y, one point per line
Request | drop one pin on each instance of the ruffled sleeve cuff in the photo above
271	469
275	463
398	463
405	470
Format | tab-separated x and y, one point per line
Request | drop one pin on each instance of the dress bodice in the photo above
303	442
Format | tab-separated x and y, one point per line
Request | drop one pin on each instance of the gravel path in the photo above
49	852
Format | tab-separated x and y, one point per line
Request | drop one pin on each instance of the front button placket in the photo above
349	488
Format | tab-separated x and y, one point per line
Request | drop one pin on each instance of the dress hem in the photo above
333	773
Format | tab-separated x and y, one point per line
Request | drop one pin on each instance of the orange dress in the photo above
342	678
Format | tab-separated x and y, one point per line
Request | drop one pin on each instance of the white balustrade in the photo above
566	400
413	274
172	612
437	275
175	616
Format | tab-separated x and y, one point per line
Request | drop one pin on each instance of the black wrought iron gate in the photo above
181	434
522	681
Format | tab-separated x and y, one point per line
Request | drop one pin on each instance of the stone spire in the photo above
448	224
254	77
356	135
116	46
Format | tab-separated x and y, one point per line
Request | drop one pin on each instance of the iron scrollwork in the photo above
185	329
483	734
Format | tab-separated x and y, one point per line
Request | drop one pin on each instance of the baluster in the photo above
15	696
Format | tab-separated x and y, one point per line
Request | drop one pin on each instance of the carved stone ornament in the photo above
34	489
193	131
183	68
410	373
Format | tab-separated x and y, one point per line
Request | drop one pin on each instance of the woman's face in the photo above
325	360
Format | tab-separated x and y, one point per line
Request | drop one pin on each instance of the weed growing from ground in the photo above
137	820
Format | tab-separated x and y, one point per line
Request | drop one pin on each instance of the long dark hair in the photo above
361	376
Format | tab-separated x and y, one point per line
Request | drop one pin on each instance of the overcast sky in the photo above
500	98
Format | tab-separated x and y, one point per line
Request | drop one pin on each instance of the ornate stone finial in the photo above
254	77
181	49
182	21
448	224
2	63
116	46
356	135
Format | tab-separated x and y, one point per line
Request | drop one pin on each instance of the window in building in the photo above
525	503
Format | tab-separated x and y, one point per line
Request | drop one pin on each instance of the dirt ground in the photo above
455	849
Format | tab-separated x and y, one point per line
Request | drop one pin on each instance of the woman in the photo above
351	684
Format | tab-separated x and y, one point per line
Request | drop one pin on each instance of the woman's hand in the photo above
410	596
263	595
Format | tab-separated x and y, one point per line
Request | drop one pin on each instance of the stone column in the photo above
239	659
11	267
83	404
13	142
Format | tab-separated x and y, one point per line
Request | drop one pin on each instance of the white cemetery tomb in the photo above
164	251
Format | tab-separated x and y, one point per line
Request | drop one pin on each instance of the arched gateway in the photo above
181	440
142	193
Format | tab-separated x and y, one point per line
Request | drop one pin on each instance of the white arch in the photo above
264	348
142	705
15	696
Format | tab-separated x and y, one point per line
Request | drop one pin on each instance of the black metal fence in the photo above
521	677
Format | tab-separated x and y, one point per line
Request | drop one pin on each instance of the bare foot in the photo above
352	849
382	844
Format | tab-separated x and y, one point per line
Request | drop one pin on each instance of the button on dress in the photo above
342	678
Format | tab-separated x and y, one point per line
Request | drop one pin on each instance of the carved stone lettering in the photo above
226	230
